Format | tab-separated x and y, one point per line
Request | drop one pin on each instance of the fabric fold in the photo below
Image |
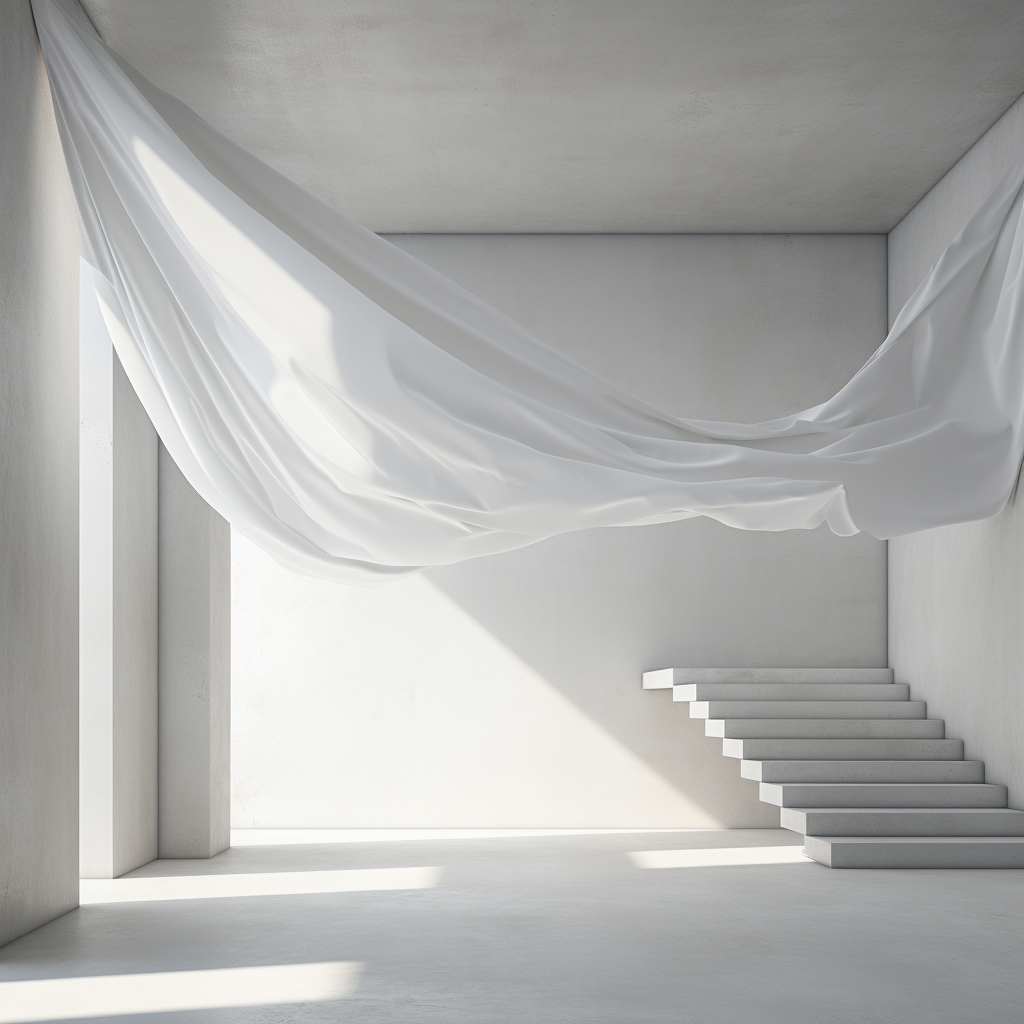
359	416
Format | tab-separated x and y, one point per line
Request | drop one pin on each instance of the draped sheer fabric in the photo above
359	416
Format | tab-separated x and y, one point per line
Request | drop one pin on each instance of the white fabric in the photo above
359	416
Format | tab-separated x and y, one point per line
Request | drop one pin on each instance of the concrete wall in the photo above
155	616
38	495
118	587
135	630
155	621
956	595
194	667
506	691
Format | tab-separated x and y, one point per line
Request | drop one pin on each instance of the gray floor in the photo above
555	929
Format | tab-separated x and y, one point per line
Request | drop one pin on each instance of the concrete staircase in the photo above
855	766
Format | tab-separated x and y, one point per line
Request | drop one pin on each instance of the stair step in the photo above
903	821
665	678
845	750
854	765
808	709
916	851
907	794
796	770
825	728
791	691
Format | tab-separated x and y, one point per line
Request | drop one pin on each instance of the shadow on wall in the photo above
505	692
590	611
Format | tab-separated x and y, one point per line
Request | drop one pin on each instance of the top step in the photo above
666	678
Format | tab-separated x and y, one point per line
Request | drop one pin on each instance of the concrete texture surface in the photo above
134	629
38	495
576	115
713	927
505	691
118	586
956	595
194	670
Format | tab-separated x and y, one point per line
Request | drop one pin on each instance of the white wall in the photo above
135	630
956	595
118	588
506	691
38	495
194	667
155	621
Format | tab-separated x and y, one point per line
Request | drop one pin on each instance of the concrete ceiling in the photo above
591	115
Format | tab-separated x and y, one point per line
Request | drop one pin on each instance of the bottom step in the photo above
916	851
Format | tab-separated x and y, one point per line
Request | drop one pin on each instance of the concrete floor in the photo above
544	929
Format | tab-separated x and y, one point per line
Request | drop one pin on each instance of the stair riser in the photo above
845	750
897	822
826	728
936	854
885	709
792	691
886	771
883	795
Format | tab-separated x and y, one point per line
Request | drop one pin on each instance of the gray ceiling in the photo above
591	115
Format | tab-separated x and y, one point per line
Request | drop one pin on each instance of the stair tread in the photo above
950	852
882	794
656	679
825	728
917	839
903	820
821	721
886	710
833	749
798	770
1002	811
841	739
893	785
790	691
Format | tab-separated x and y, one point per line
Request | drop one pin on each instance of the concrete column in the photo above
38	495
118	621
195	650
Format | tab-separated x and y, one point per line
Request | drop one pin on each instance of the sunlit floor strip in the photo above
112	994
731	856
309	836
268	883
